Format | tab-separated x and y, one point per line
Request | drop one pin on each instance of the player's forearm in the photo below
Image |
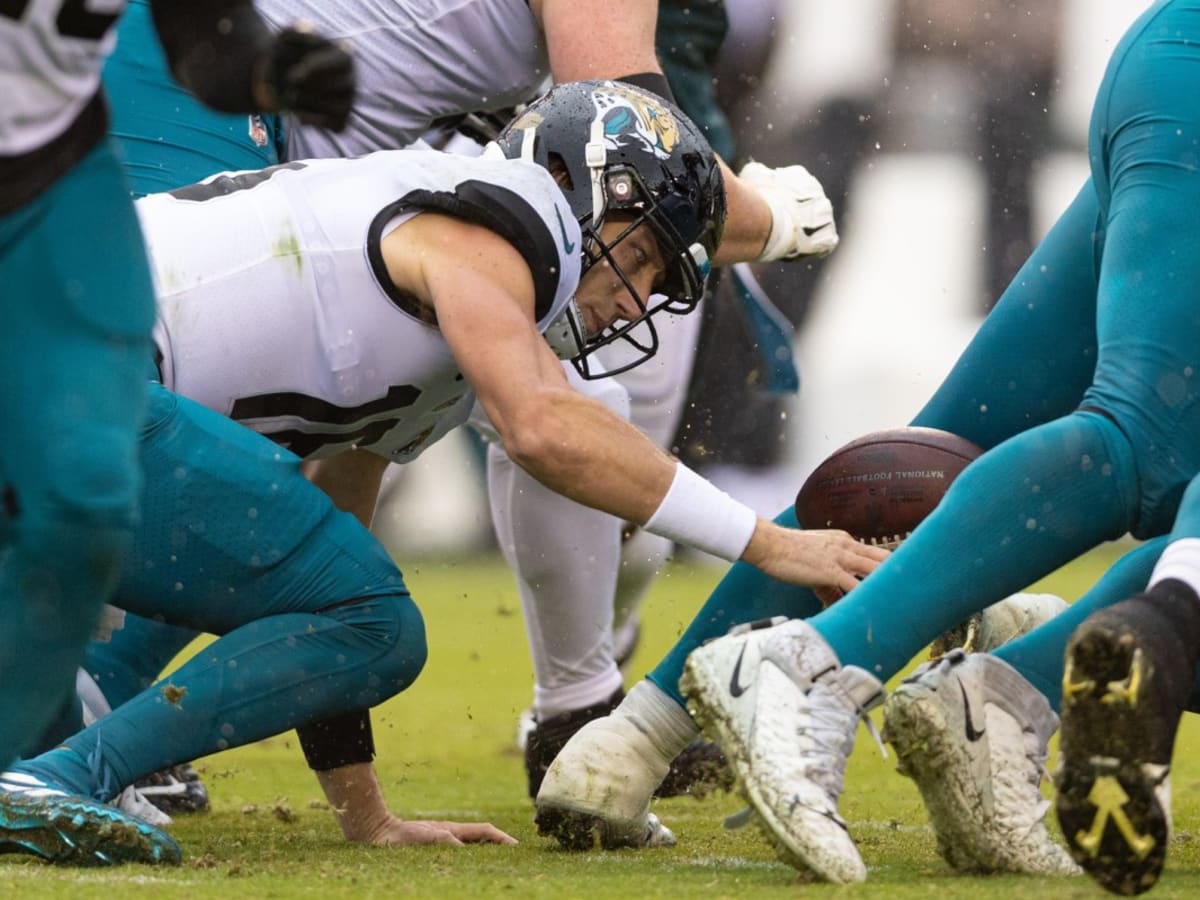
589	454
216	49
747	222
582	450
356	797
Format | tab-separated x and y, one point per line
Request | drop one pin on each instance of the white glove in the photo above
801	215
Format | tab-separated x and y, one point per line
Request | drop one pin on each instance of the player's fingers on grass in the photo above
480	833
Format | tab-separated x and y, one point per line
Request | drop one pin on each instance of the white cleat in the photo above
132	801
598	789
785	711
1011	618
1003	621
972	733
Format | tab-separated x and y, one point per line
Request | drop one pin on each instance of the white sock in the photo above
659	717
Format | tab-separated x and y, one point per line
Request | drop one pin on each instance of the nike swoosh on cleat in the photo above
736	689
809	232
972	734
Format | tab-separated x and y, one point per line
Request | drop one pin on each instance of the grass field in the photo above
446	751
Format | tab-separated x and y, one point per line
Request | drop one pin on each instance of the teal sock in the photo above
1016	514
1038	656
66	770
745	594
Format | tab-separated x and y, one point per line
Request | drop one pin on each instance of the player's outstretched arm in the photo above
224	53
482	291
356	797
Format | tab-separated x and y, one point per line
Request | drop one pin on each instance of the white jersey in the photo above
51	53
275	307
417	62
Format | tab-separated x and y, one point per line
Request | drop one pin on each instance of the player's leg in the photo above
991	394
565	558
75	345
964	724
1130	668
1122	461
1130	673
1038	655
133	658
314	618
567	597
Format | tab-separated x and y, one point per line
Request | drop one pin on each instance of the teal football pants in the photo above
314	619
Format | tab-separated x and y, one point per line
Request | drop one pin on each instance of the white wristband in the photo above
699	514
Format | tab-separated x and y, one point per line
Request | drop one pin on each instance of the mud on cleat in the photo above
973	734
785	711
40	820
1125	682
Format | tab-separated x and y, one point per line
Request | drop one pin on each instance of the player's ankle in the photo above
653	712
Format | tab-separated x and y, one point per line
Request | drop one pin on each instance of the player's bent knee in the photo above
391	630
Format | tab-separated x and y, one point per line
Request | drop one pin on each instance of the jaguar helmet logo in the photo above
635	116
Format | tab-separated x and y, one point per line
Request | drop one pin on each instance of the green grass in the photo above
446	751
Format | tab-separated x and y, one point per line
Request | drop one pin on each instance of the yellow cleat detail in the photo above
1071	687
1109	797
1126	690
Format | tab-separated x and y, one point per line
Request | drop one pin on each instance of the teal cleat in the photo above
72	830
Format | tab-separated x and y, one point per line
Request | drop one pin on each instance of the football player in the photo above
78	308
1079	384
421	65
355	310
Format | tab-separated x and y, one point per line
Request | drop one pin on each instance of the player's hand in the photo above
824	559
395	832
309	76
801	215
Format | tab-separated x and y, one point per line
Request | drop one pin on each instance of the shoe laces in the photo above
831	725
104	784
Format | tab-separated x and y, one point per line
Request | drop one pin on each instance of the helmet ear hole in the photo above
558	168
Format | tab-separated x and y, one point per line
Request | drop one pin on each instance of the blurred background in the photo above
949	136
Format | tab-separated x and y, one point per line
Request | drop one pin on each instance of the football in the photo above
880	486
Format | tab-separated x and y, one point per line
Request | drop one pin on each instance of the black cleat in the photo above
697	772
175	790
1124	686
